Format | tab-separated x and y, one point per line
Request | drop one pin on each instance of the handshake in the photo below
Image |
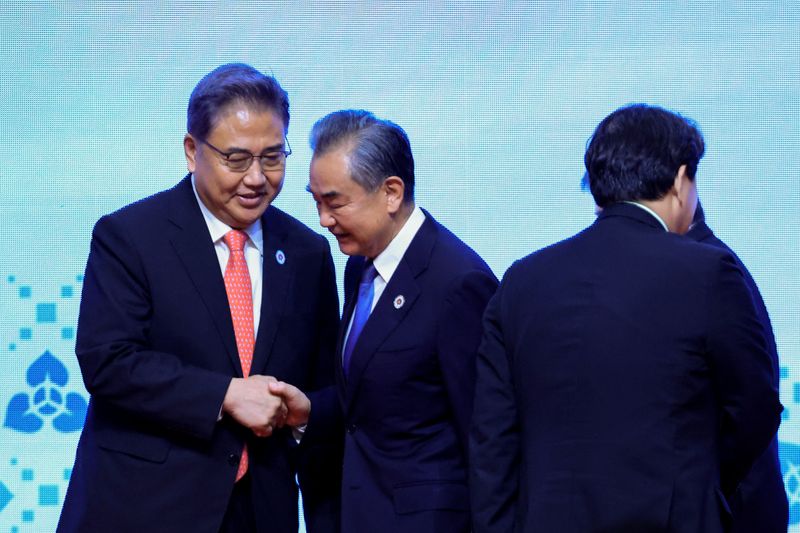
264	404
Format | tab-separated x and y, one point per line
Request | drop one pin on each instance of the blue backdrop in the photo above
498	100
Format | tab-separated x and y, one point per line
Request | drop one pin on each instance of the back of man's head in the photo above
376	148
233	83
636	152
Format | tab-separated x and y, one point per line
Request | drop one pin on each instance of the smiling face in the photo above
237	198
363	222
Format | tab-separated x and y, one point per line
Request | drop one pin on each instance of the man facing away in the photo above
191	298
623	381
414	297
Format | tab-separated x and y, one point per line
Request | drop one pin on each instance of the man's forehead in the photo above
240	110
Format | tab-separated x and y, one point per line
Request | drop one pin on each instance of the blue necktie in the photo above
366	291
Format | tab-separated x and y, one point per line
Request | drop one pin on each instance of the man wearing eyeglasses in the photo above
194	300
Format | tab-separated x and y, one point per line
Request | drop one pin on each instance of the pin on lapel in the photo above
280	257
399	300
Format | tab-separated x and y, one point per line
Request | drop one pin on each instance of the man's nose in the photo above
325	219
254	176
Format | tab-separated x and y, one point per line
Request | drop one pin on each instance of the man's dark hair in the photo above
636	151
376	148
231	83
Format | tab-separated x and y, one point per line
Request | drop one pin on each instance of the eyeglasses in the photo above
240	160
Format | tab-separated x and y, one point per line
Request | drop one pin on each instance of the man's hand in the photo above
250	402
297	403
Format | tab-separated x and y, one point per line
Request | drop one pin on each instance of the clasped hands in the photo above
263	404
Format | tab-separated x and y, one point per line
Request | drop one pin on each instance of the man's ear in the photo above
681	183
190	150
393	189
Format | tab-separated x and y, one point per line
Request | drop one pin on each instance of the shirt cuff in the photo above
297	432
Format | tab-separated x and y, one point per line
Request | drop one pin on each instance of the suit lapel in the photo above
277	273
390	310
192	242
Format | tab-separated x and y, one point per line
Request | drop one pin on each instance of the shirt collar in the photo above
218	229
660	221
387	261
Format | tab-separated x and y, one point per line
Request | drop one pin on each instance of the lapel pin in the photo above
399	301
280	257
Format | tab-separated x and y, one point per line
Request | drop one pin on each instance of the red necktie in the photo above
240	300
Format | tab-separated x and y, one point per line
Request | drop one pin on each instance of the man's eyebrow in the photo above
273	148
329	194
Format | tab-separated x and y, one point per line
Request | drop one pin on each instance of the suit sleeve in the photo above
319	469
323	371
459	335
494	445
743	375
119	368
325	422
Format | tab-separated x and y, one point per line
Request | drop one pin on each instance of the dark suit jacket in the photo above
759	504
407	401
157	351
615	368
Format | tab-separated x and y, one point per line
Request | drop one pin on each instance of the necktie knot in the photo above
369	274
235	240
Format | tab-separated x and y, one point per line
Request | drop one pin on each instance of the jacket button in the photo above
351	428
233	459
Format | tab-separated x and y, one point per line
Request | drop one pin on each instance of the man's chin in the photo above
347	246
248	217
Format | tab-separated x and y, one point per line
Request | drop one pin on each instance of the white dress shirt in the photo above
253	252
387	261
253	256
660	221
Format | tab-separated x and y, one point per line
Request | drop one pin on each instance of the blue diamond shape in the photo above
45	312
48	494
25	292
5	496
66	291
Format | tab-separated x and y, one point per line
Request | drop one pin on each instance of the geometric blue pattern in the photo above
45	312
791	478
27	411
48	494
5	496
